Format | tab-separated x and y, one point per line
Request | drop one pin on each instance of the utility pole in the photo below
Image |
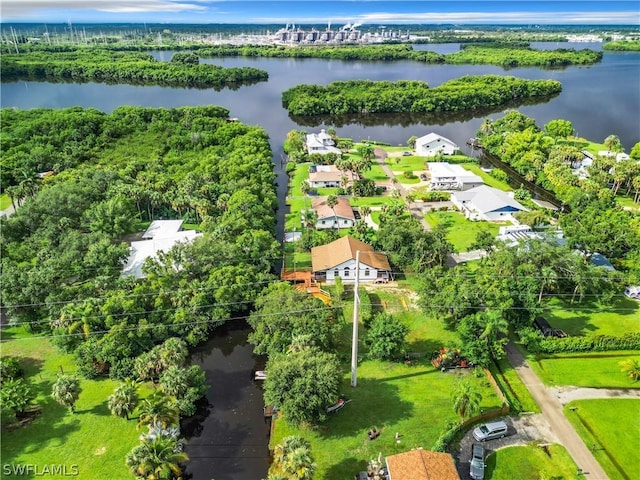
354	341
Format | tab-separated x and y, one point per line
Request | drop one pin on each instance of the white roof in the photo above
432	137
161	236
487	199
446	170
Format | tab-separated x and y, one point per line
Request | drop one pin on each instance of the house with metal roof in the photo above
486	203
421	464
447	176
328	176
338	259
321	143
161	236
432	143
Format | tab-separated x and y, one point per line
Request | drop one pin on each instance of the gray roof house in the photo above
486	203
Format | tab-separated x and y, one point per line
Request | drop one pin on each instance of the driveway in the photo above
522	430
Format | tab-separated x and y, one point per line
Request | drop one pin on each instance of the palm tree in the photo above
486	126
292	460
548	278
157	458
631	369
466	400
124	399
158	409
612	142
365	211
66	391
332	201
412	141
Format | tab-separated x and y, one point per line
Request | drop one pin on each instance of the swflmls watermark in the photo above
32	469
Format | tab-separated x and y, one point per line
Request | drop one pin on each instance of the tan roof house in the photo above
328	176
340	216
421	464
338	259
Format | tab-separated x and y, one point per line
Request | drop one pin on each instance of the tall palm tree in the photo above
66	391
158	408
157	458
365	211
292	460
124	399
466	400
332	201
612	142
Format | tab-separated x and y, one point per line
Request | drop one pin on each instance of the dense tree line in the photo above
100	65
367	96
622	46
546	157
63	249
511	54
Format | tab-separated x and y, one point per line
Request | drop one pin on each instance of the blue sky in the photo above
317	11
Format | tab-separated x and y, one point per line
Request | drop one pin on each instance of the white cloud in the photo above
579	18
31	8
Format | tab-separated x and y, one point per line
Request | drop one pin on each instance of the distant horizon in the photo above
363	12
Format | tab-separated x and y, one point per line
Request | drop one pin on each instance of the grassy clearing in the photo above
376	173
413	400
406	164
5	201
597	369
92	438
531	463
611	428
462	232
588	318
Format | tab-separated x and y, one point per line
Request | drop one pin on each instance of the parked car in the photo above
476	470
406	154
633	292
490	431
546	330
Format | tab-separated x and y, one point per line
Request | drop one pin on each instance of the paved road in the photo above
552	411
569	394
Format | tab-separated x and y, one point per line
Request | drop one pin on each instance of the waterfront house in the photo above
338	259
446	176
432	143
340	216
321	143
327	176
486	203
421	464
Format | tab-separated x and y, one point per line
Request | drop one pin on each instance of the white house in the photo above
432	143
321	143
327	176
161	236
486	203
338	259
445	176
512	235
340	216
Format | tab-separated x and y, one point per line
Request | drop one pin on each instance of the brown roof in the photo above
421	465
329	173
342	209
345	248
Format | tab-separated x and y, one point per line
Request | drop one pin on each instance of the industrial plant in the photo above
347	34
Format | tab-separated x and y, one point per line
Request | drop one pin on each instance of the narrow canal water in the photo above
228	437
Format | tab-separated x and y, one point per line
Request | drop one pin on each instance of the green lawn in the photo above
413	401
487	178
590	318
531	463
611	428
406	164
5	201
92	438
462	232
510	383
376	173
590	369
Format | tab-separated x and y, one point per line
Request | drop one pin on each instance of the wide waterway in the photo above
228	440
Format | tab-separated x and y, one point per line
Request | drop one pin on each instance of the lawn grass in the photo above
531	463
376	201
412	400
92	438
584	369
513	387
487	178
611	428
406	164
588	318
376	173
5	201
462	232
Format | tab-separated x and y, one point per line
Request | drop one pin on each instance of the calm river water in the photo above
229	438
